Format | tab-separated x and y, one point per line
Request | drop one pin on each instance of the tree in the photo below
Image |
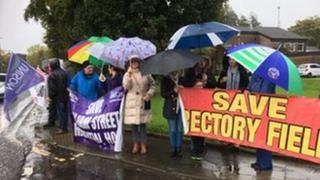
38	53
243	21
253	20
309	28
4	60
228	16
69	21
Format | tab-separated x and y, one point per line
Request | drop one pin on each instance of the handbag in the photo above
147	105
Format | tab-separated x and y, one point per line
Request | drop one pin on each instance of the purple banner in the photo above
20	77
98	122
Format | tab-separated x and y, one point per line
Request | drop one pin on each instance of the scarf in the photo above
233	79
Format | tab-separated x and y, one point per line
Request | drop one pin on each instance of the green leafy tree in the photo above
309	28
38	53
69	21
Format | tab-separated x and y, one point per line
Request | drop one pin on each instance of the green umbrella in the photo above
96	60
270	64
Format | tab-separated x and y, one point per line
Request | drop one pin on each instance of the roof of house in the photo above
272	32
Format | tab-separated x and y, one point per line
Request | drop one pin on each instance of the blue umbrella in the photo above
208	34
269	64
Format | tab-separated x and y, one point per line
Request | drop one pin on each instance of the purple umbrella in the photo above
119	51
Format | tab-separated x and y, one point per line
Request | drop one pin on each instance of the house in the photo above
291	44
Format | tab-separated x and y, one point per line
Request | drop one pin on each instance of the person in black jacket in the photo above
169	91
58	93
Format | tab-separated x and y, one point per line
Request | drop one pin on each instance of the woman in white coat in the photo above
137	111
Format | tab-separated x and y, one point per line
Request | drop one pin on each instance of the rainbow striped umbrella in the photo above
270	64
78	53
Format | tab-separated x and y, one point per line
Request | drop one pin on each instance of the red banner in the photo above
286	125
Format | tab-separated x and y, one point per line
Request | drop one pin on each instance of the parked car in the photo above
2	81
309	69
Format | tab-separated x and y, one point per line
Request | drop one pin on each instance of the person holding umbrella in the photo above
169	91
115	79
137	108
260	85
86	82
203	69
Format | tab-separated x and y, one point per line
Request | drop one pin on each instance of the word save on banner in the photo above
286	125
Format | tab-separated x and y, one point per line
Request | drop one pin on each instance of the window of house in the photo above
299	47
289	46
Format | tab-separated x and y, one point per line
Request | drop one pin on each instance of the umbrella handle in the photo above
102	67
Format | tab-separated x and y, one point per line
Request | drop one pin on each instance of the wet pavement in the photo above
58	157
218	163
69	165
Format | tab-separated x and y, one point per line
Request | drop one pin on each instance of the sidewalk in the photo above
214	165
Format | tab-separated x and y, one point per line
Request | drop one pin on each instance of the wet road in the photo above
68	165
50	162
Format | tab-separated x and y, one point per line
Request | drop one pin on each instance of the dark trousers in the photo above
62	111
139	133
197	146
264	159
52	113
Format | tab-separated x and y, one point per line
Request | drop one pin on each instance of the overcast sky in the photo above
267	11
17	35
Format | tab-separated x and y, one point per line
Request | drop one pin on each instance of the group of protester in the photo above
233	77
140	89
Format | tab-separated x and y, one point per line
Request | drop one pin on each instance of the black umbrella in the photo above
168	61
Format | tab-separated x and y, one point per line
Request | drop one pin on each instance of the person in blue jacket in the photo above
264	157
86	82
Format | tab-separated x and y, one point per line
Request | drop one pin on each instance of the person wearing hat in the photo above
137	109
86	82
